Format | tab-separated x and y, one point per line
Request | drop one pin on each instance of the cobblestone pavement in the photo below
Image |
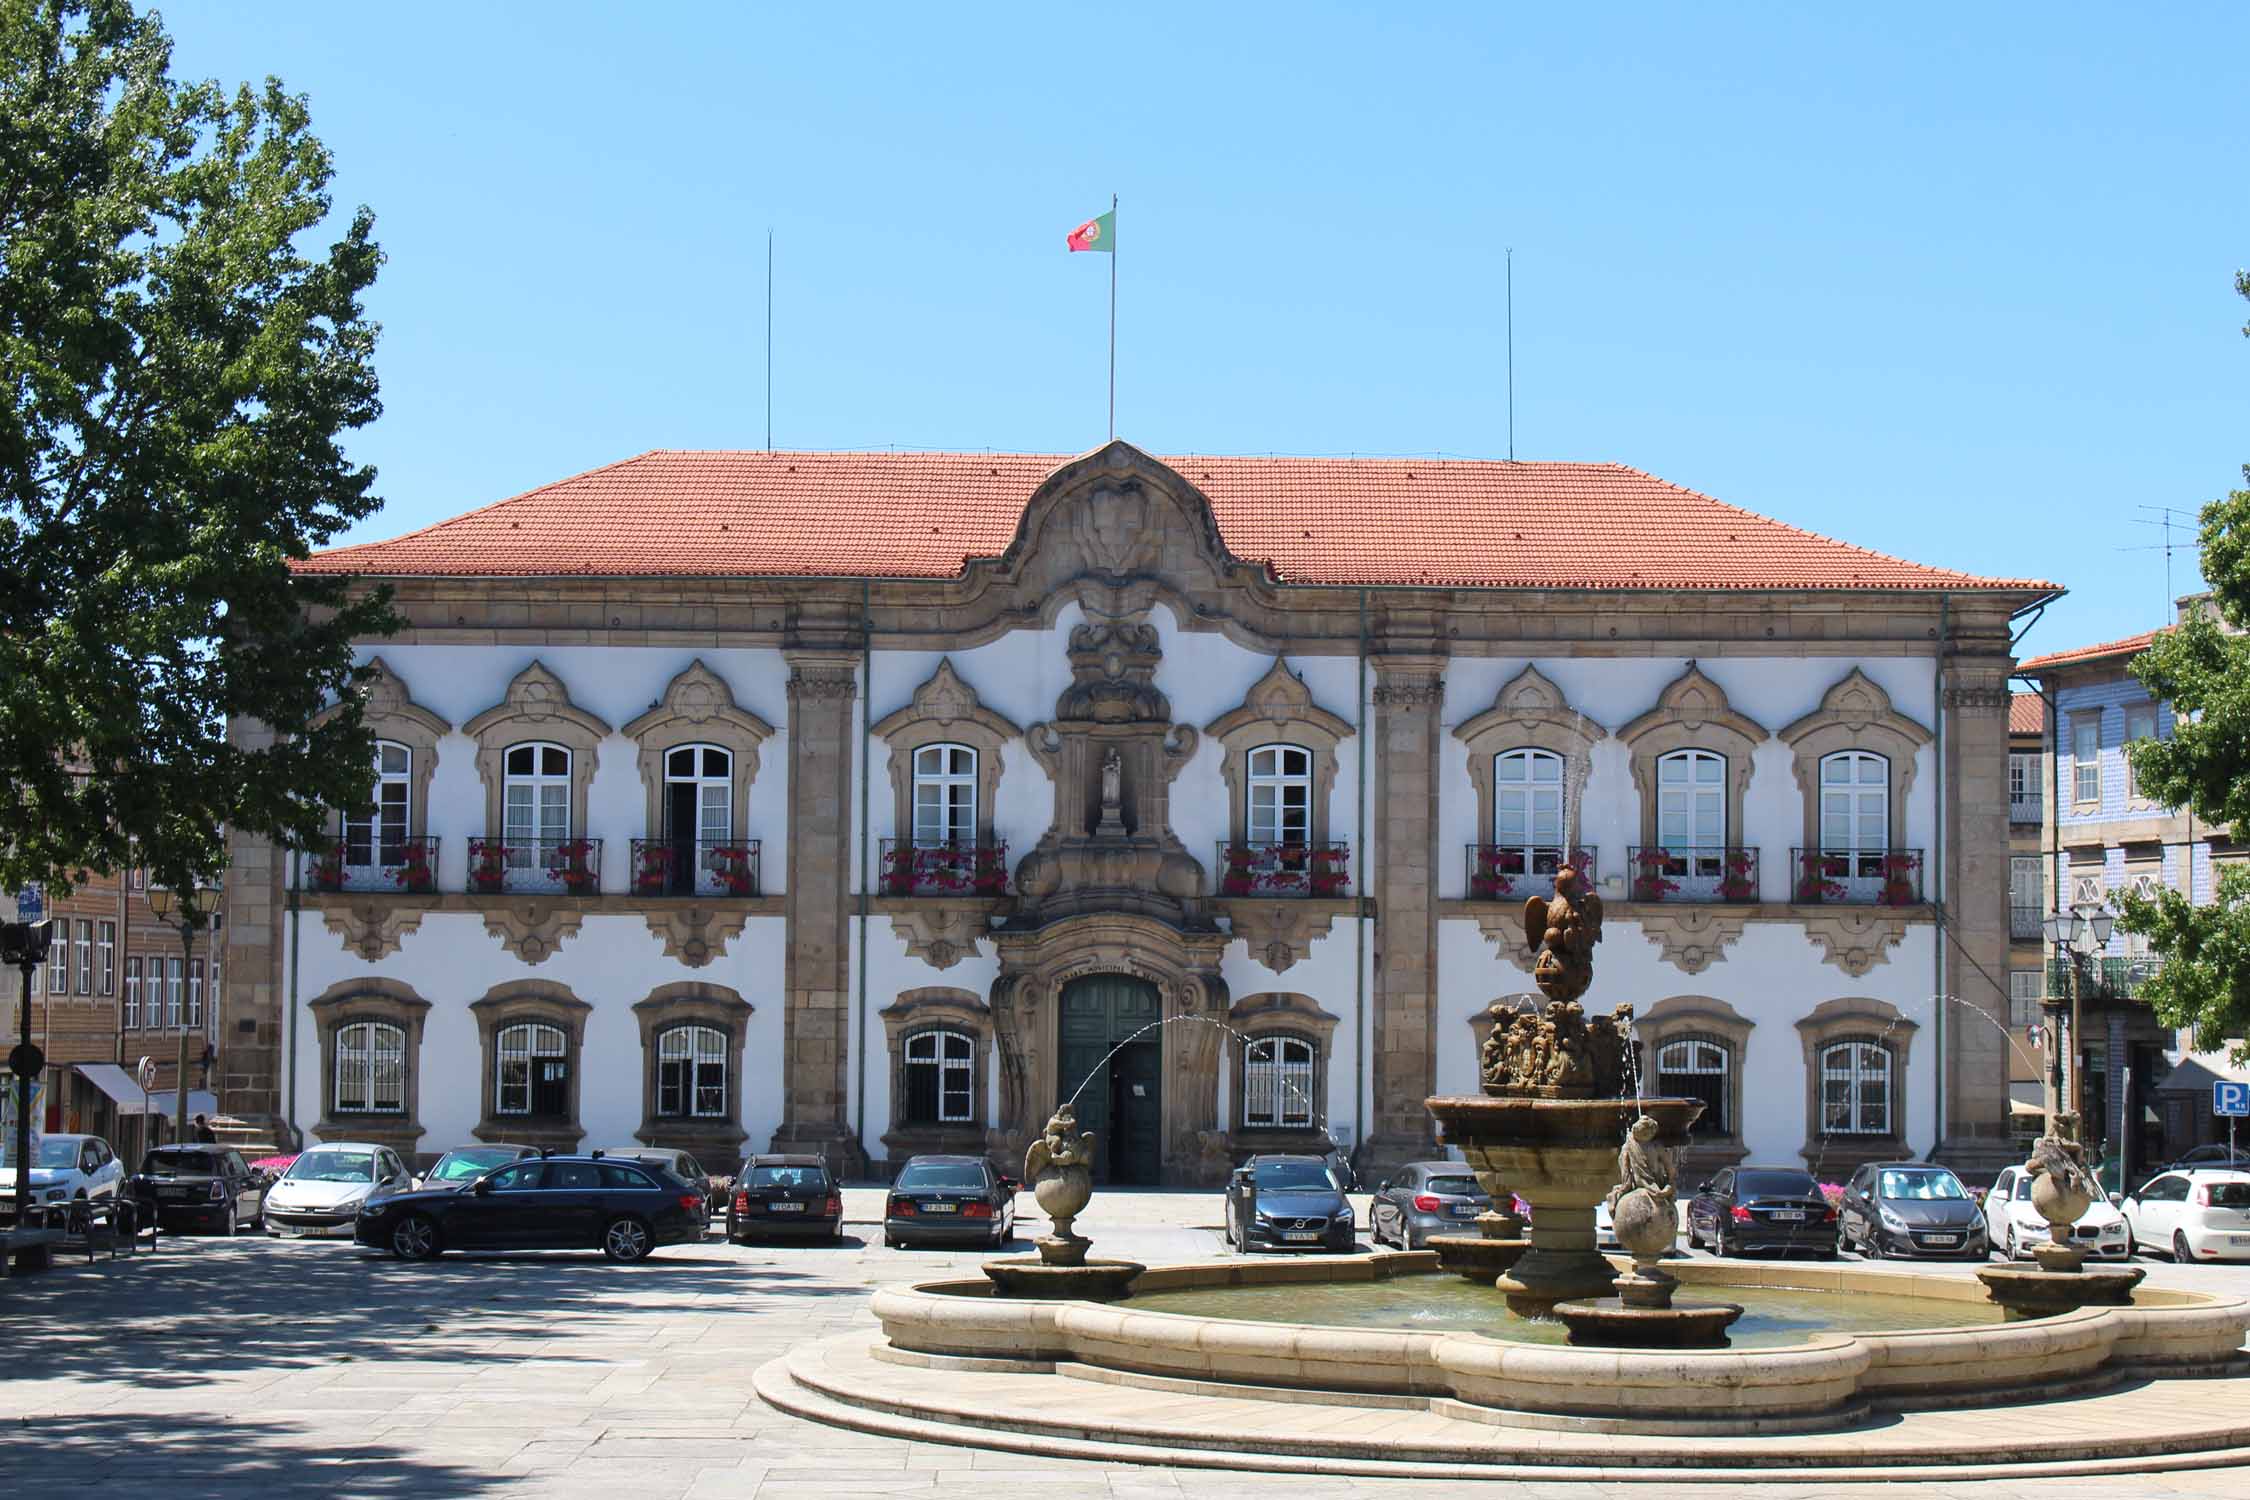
256	1367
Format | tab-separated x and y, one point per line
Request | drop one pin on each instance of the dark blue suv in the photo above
1288	1203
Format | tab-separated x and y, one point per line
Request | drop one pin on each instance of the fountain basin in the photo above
2029	1293
1613	1323
1090	1280
1474	1258
1822	1380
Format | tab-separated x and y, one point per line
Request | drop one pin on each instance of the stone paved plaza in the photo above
259	1367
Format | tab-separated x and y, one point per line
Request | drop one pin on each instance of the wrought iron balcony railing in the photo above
694	867
1693	873
1512	872
2104	977
2024	923
1265	869
978	868
2023	808
377	863
1856	877
545	867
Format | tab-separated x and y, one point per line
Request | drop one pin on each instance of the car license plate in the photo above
1788	1215
785	1208
291	1232
2238	1239
173	1192
941	1208
1941	1239
1464	1210
1300	1234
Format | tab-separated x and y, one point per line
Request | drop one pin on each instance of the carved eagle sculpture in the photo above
1564	930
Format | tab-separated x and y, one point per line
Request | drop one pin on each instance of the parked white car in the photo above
325	1188
70	1167
2012	1226
2202	1214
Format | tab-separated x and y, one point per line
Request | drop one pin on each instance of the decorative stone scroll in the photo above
533	930
942	931
1855	941
1692	938
1279	933
371	929
693	933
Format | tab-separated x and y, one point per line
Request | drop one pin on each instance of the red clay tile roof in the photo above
2132	645
2027	714
1445	522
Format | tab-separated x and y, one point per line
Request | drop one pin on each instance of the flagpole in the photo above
1511	354
769	340
1113	319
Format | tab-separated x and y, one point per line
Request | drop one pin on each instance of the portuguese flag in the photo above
1097	233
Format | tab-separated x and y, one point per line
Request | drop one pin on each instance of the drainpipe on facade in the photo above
1359	918
1937	866
866	747
296	951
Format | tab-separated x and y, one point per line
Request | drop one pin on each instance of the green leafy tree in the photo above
176	373
2202	668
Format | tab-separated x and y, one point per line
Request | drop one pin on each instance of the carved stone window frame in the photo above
1692	713
1700	1018
1530	713
388	709
945	709
510	1004
1278	1013
717	1143
392	1003
535	708
1278	710
1855	714
698	708
938	1008
1856	1018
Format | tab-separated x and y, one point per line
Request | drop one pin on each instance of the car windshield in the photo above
168	1160
58	1153
333	1166
1924	1186
942	1176
457	1166
2023	1188
2230	1195
1775	1185
788	1177
1294	1177
1463	1186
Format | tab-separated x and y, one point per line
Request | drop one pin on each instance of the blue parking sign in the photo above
31	904
2230	1098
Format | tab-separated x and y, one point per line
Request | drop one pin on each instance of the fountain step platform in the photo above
1017	1408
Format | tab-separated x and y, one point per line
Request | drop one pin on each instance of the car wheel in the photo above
415	1237
626	1240
2181	1255
889	1241
233	1224
2013	1250
1720	1246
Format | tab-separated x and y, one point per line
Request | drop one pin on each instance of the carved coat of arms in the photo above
1110	528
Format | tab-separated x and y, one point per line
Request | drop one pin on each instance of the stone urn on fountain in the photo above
2062	1189
1059	1168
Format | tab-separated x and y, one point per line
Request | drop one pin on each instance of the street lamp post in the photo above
23	945
188	909
2080	932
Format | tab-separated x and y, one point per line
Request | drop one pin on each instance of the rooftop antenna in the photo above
1511	354
2162	518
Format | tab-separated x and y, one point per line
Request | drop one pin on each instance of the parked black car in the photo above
1424	1198
465	1162
950	1200
195	1185
1288	1203
680	1164
1910	1208
785	1195
1762	1208
625	1209
2218	1156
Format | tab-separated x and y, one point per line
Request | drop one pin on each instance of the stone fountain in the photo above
1645	1212
1548	1123
1059	1167
2062	1189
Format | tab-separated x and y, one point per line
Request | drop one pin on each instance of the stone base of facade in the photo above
1384	1152
831	1140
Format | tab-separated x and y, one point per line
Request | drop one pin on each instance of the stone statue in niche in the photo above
1113	781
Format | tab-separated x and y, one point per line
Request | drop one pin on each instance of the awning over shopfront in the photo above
2027	1100
2197	1071
115	1082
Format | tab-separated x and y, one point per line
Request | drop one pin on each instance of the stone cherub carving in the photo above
2062	1188
1060	1168
1641	1163
1559	1053
1645	1214
1564	930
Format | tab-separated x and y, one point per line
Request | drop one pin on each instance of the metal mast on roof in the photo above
1511	354
769	340
1113	317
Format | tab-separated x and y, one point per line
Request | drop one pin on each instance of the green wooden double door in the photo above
1123	1098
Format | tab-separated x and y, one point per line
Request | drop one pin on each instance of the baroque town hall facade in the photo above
875	803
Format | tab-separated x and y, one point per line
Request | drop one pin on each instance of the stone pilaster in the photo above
250	1027
1975	773
816	1020
1409	698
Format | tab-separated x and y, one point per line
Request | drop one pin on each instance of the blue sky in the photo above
1955	283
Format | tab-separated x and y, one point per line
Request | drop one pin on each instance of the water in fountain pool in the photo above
1446	1304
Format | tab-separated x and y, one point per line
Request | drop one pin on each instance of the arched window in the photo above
536	802
940	1078
691	1073
1280	809
945	796
1527	811
1855	1089
370	1068
1278	1083
1855	802
531	1075
1694	1068
375	835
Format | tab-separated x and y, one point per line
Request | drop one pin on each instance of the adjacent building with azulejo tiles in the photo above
874	803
